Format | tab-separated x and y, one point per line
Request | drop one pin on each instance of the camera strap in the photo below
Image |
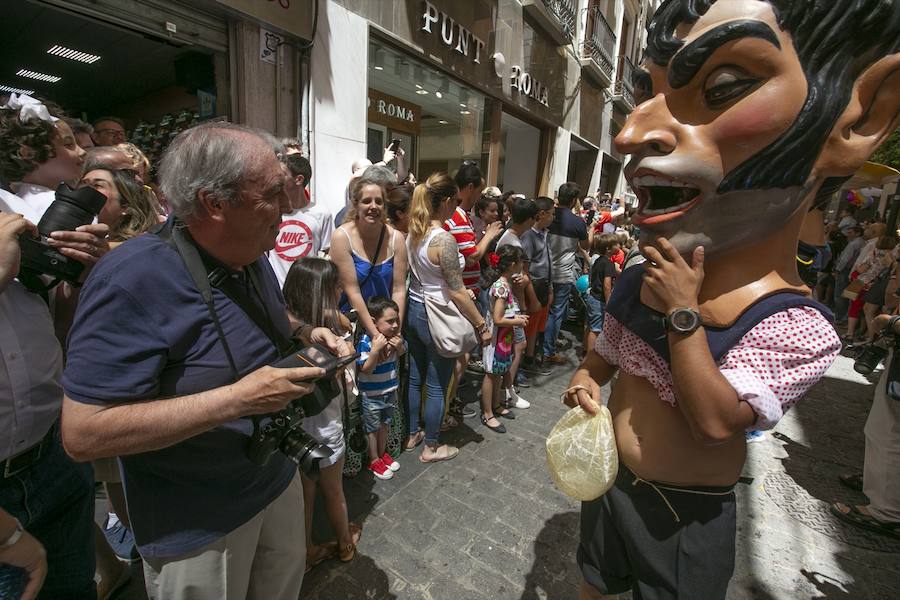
205	279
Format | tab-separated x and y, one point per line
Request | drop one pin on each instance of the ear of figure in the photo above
871	116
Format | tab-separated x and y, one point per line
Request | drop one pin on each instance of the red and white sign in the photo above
295	240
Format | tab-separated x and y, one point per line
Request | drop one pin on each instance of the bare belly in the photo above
655	441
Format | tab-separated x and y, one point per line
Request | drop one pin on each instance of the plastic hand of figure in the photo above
493	230
397	346
269	389
584	392
87	244
28	554
389	155
12	226
671	280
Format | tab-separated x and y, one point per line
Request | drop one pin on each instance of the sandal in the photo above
501	428
319	554
348	552
854	482
449	423
450	452
414	440
854	516
502	411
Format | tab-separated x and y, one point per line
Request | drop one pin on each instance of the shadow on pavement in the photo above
554	573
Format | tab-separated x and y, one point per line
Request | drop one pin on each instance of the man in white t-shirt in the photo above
307	230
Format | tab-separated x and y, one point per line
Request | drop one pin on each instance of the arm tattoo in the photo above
449	261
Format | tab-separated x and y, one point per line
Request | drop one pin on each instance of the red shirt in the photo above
619	258
461	227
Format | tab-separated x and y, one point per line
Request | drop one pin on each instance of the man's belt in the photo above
25	459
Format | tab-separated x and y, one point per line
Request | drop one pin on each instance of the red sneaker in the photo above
389	462
380	469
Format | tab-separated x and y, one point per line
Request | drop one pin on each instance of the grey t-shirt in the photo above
536	249
509	238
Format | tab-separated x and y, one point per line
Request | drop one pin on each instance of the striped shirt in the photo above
461	227
383	379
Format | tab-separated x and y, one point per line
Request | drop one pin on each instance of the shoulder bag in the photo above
451	332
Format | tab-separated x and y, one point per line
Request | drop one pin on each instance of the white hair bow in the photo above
29	108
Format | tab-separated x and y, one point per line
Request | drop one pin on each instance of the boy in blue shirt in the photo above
378	381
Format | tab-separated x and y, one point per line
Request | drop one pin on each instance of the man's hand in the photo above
12	226
338	346
389	155
521	280
521	321
28	554
269	389
486	337
87	244
673	282
583	391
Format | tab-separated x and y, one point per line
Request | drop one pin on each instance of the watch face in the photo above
683	320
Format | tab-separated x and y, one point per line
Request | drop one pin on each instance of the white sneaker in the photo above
513	400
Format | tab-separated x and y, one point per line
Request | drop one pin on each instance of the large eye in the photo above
726	84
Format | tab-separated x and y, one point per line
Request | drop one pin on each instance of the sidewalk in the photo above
491	524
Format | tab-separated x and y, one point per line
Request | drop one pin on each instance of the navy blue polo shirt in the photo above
142	331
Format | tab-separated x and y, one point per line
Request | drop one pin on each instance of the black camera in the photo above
71	209
869	357
282	431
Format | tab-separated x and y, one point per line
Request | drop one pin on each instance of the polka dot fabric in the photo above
771	368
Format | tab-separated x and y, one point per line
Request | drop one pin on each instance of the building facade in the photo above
533	90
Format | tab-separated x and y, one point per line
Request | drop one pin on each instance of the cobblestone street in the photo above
491	524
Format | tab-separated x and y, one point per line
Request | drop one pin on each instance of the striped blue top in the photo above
383	380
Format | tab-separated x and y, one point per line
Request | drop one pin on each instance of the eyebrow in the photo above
691	58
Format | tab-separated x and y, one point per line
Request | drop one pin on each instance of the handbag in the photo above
451	332
542	290
852	291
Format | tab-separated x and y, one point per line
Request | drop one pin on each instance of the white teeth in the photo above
653	181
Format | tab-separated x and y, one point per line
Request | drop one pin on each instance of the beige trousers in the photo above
881	474
262	559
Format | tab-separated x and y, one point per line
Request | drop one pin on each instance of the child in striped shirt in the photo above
378	381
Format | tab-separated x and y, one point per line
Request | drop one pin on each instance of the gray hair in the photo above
378	175
205	157
78	126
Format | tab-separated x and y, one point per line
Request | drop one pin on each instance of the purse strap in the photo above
375	258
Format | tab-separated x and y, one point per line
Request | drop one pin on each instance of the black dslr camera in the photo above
282	431
70	210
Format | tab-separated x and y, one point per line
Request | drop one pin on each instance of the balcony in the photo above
623	91
598	48
556	17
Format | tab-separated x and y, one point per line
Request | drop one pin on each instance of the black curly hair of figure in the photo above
835	42
25	145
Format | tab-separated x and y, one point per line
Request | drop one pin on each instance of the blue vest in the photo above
625	306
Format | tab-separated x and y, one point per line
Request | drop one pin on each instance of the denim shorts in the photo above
378	410
519	332
595	310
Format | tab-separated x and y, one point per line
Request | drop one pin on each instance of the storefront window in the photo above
439	121
519	156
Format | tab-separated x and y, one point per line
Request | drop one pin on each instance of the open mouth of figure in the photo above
662	196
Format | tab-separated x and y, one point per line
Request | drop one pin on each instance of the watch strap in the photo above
14	537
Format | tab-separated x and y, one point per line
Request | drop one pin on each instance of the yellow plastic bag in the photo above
581	454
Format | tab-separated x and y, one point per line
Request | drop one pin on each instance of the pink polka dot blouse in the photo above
771	368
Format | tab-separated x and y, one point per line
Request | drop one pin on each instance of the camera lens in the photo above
71	209
305	451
